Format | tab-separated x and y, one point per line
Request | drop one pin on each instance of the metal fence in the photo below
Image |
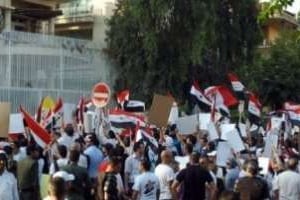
37	65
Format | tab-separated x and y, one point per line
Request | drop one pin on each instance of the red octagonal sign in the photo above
100	95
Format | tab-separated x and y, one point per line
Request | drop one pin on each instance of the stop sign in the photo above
100	95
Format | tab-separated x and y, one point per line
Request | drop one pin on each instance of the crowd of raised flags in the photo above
231	138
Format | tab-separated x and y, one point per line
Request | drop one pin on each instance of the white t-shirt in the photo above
8	186
165	175
146	185
288	184
67	140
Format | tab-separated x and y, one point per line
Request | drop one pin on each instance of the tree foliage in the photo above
276	77
162	46
274	6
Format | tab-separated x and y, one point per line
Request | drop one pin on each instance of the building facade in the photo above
34	62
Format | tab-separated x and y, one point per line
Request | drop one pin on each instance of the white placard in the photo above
263	163
276	123
182	160
234	140
16	124
174	114
204	119
68	110
88	119
212	131
243	129
187	125
226	128
223	154
270	143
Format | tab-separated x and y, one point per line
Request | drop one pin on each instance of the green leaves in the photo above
162	46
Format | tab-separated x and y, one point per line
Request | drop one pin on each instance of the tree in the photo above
274	6
276	77
162	46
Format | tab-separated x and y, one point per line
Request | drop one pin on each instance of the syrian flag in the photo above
122	119
40	135
254	108
203	102
122	97
291	106
294	116
55	120
134	106
254	105
237	86
145	136
223	98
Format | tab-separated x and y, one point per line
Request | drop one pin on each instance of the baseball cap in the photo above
64	175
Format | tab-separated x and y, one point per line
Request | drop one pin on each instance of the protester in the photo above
68	137
146	185
132	164
232	174
60	160
287	184
165	175
109	189
8	182
59	185
28	174
81	186
194	180
252	187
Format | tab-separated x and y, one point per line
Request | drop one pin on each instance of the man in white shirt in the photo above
132	164
68	137
165	176
146	185
287	184
8	182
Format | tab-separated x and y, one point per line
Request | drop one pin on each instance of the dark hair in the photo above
30	149
4	158
74	156
293	163
229	195
188	148
8	150
193	139
252	166
111	134
62	150
16	143
136	146
146	164
114	161
194	157
69	130
57	187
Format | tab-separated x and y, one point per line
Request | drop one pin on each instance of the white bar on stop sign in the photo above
100	95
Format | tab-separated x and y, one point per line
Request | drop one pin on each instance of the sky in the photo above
295	8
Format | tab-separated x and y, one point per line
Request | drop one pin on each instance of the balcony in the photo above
78	15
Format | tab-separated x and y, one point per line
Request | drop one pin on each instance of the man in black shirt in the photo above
194	180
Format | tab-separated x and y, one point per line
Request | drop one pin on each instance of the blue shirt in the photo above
95	158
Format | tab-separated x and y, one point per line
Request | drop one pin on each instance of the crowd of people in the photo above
109	166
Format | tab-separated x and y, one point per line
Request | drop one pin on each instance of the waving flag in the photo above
203	102
294	116
134	106
237	86
223	98
39	134
291	106
143	135
122	119
122	97
55	120
254	105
